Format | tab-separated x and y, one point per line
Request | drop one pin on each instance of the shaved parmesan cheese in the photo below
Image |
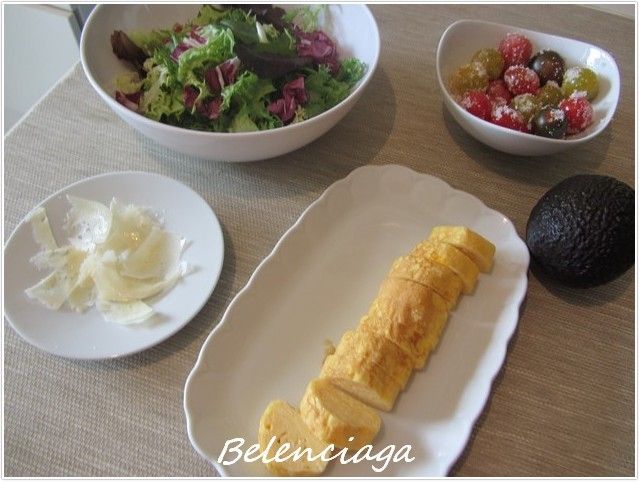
109	257
118	257
42	229
113	286
157	255
89	221
129	313
83	294
130	225
51	291
59	258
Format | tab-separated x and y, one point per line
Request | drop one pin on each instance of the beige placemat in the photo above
563	404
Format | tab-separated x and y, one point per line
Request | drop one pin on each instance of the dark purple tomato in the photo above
549	65
549	122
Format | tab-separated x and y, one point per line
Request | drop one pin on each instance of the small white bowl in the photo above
462	38
352	27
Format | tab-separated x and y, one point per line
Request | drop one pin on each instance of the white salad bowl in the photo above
459	42
352	27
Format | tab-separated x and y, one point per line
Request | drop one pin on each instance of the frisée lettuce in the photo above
235	69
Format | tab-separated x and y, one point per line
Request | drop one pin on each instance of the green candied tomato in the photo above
492	61
471	76
527	104
580	79
550	94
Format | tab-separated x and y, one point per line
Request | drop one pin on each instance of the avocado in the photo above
581	232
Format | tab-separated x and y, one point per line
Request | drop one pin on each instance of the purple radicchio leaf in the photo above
130	101
125	49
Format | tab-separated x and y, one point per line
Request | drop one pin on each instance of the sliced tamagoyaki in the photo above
478	248
336	417
436	276
409	314
363	380
375	349
451	257
282	423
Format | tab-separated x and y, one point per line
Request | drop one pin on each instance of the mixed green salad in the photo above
235	68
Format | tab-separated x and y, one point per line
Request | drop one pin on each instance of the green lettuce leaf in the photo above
150	41
243	26
306	17
249	119
210	14
324	91
246	89
192	63
162	97
198	122
300	115
162	56
270	31
351	71
246	102
127	82
262	37
242	122
282	43
209	32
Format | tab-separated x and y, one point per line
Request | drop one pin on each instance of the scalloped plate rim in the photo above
519	291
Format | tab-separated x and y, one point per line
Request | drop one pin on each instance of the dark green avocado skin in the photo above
581	232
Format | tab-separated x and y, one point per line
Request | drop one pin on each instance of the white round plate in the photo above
88	335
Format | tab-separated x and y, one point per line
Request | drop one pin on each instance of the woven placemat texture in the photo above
563	403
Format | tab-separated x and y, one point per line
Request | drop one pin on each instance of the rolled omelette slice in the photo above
451	257
364	381
439	278
410	315
336	417
282	421
377	351
479	249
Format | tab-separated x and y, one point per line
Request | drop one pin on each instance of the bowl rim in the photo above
524	135
170	129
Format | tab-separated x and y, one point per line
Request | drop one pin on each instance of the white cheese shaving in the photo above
118	257
130	225
157	255
113	286
42	229
53	290
59	258
83	294
89	221
129	313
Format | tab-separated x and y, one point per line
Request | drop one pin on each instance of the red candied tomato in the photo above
477	103
521	80
579	113
498	93
516	49
505	116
